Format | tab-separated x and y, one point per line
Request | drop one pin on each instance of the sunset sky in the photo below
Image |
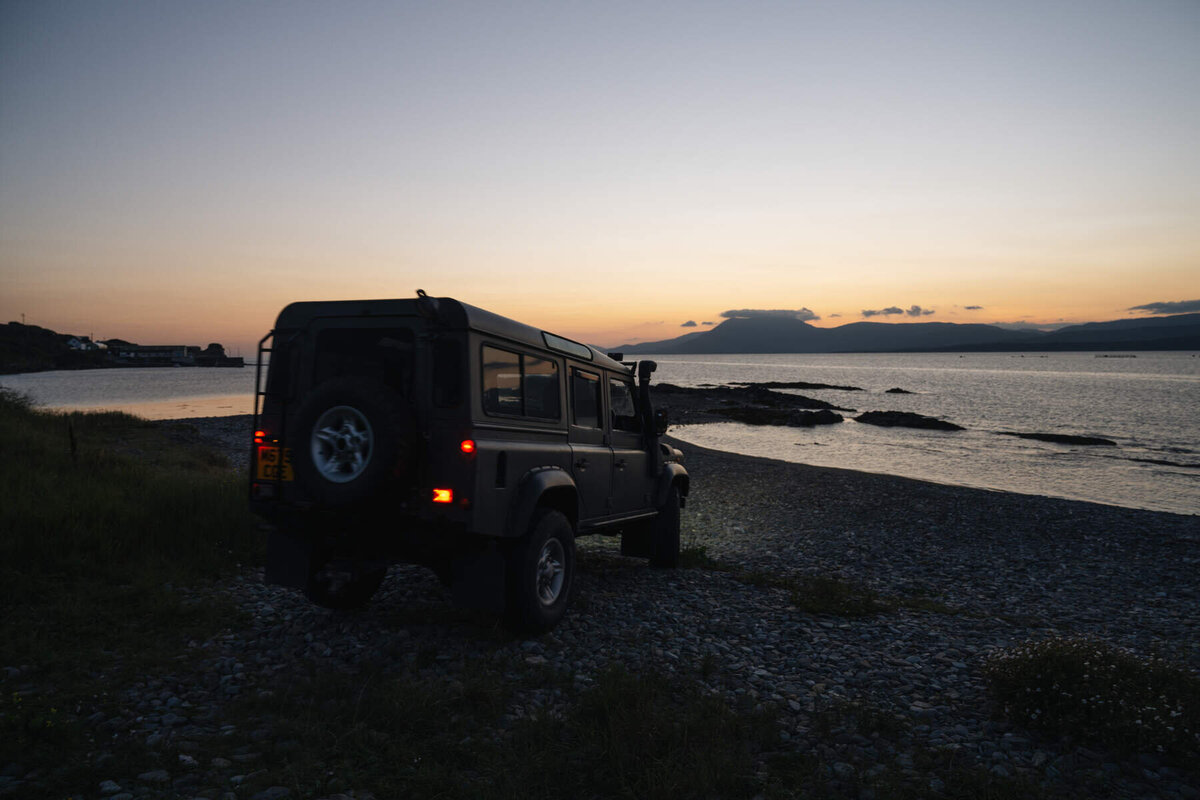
177	172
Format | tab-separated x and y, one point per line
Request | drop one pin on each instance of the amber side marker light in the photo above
443	495
467	446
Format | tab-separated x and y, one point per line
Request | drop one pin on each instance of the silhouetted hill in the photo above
29	348
780	334
789	335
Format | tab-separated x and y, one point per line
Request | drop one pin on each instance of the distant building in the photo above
81	343
152	353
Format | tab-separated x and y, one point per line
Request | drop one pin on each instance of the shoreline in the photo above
231	434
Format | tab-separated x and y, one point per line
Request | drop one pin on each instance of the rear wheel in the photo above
664	534
351	437
540	573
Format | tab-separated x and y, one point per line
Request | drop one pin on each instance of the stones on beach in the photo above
906	419
1062	438
873	697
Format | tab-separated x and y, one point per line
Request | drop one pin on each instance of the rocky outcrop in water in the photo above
904	419
797	385
1062	438
772	416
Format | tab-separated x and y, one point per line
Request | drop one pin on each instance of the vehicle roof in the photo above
451	312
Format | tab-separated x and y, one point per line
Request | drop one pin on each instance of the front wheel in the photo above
664	534
540	572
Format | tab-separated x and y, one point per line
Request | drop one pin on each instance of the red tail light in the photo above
443	495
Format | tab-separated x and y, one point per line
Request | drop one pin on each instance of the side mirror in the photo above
661	422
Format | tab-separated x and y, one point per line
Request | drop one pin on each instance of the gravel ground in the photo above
1014	566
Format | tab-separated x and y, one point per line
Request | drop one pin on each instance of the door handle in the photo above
581	464
621	464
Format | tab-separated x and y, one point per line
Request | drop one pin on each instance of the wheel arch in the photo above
672	475
544	487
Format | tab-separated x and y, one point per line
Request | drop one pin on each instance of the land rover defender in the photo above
429	431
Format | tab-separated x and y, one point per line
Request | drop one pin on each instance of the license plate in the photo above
270	467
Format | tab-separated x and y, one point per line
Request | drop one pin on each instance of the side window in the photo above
520	385
585	399
501	381
623	408
541	388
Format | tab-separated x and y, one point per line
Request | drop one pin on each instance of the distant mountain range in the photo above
785	334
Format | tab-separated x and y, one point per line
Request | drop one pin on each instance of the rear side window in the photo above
520	385
585	399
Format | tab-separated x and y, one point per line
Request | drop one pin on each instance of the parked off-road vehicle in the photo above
432	432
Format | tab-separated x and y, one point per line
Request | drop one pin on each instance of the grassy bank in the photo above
102	514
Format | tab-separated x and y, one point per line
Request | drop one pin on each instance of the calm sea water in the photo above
155	393
1149	405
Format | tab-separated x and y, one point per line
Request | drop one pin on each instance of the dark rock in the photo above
898	390
754	416
904	419
1060	438
796	385
670	394
773	416
808	419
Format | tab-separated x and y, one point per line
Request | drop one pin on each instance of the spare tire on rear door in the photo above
350	436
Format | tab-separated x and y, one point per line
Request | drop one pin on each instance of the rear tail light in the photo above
443	495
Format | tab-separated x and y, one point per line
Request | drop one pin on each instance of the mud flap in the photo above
477	579
289	560
635	541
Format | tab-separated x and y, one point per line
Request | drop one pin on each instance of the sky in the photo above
177	172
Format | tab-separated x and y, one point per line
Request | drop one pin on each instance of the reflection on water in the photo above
220	406
1146	404
154	393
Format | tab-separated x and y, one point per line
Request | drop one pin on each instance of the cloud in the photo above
708	323
973	308
751	313
834	316
891	311
691	323
1176	307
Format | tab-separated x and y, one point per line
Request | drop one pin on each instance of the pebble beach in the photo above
964	572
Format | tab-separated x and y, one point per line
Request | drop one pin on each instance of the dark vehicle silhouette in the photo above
432	432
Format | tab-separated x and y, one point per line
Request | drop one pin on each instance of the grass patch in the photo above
1093	691
697	557
818	594
810	594
102	514
626	736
